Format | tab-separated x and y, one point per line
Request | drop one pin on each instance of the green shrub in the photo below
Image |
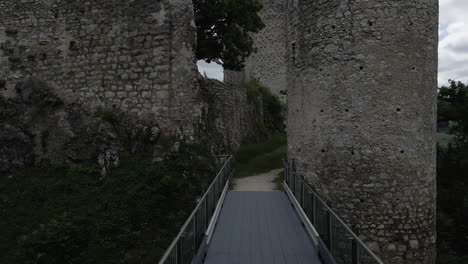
271	106
261	157
60	240
263	163
249	151
70	215
443	139
452	169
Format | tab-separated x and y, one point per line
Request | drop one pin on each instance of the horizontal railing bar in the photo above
214	218
211	227
308	225
192	215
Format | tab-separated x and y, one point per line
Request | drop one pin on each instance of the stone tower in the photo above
362	116
268	65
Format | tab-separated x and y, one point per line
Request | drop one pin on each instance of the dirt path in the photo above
260	182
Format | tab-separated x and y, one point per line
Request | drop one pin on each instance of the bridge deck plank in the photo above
259	227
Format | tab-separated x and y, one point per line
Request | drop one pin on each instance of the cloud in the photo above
453	45
212	70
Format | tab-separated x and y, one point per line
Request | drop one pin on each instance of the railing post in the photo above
355	248
313	209
355	253
222	175
178	253
302	195
212	202
294	183
215	188
329	229
226	171
195	236
221	186
286	172
206	213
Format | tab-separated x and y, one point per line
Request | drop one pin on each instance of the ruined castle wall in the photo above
134	55
362	117
231	116
268	64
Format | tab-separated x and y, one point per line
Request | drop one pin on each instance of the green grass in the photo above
262	157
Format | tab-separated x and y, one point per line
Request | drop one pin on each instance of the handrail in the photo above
185	245
359	252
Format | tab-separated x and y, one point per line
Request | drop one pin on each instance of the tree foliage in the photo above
452	102
224	30
271	106
452	177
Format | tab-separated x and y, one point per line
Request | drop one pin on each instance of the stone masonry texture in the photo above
133	55
230	115
134	60
362	116
268	64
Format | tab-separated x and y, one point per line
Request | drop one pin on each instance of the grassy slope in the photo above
261	157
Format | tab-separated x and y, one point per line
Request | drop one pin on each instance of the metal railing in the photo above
192	238
337	243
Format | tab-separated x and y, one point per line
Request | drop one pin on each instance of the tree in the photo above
452	102
225	28
452	177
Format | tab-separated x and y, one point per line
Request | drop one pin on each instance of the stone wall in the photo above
38	128
268	64
134	55
362	117
230	116
292	52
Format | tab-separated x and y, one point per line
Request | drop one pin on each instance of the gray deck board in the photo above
259	227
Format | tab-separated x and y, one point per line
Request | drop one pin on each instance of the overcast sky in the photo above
453	46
